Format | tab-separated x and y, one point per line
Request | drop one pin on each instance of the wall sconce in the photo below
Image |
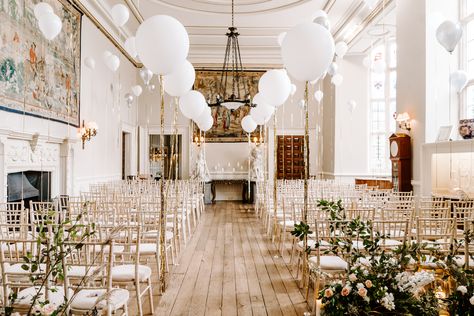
87	130
198	139
257	140
404	121
156	155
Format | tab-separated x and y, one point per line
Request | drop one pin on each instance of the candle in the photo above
318	307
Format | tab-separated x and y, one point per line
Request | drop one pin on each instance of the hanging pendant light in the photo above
232	90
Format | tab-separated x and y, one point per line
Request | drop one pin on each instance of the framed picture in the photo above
466	128
227	123
444	133
38	77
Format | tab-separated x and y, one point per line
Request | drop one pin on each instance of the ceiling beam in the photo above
348	18
135	11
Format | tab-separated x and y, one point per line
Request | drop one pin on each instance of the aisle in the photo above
229	268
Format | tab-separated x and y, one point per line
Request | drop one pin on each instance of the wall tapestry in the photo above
227	128
40	77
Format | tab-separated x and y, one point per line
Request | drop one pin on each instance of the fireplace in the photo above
29	186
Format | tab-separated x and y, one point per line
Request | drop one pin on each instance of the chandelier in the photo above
232	90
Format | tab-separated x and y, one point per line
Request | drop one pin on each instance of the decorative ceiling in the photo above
358	22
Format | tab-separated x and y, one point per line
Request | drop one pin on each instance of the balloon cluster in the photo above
49	23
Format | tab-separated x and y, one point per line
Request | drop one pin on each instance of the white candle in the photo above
318	307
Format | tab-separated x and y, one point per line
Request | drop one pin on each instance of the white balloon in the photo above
293	89
181	80
307	51
281	37
192	104
120	14
323	21
50	25
341	49
130	46
379	66
137	90
42	8
248	124
337	79
89	62
319	13
318	95
332	70
274	87
113	63
448	34
262	112
146	75
458	80
352	105
206	124
105	55
301	103
162	44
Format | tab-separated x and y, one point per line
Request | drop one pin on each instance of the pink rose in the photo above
328	293
362	292
368	284
345	291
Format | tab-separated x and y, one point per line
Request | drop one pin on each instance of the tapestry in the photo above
40	77
227	123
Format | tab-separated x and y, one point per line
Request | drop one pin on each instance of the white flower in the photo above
15	314
413	282
365	272
462	289
48	309
359	286
388	301
352	277
471	300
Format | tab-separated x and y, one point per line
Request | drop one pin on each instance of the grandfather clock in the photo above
400	155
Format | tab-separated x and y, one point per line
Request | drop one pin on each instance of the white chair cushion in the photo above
79	271
105	249
287	223
328	263
312	243
154	233
56	296
87	298
17	269
145	249
390	243
126	272
461	260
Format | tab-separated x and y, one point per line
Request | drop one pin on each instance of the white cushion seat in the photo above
328	263
86	299
17	269
106	248
390	243
145	249
80	271
126	272
154	233
25	296
312	243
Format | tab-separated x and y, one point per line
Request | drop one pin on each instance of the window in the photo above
467	58
383	79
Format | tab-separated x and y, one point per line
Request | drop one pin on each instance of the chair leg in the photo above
150	294
139	298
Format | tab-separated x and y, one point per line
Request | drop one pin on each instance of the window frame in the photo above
388	100
465	18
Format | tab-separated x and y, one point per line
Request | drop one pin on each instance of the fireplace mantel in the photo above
21	151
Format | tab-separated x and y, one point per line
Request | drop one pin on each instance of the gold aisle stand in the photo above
162	245
306	176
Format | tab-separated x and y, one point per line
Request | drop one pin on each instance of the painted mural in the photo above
40	77
227	123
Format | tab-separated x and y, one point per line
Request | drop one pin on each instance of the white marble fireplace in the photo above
33	152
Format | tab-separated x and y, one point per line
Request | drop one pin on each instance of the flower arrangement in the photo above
377	280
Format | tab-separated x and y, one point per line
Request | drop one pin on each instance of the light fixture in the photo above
198	139
156	155
87	131
404	121
232	91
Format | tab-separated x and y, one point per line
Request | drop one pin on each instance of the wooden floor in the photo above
230	267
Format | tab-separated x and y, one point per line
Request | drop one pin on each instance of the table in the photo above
246	198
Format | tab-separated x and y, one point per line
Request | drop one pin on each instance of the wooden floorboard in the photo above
229	268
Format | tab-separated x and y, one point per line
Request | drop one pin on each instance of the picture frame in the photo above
466	128
444	133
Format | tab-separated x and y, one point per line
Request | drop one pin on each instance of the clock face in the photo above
394	148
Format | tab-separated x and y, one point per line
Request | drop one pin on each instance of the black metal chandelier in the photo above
232	90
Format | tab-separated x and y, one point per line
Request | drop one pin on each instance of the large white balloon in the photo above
448	34
89	62
130	46
458	80
120	14
181	80
307	51
337	79
318	95
162	44
274	87
206	123
137	90
50	25
42	8
248	124
341	49
192	104
262	112
113	63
